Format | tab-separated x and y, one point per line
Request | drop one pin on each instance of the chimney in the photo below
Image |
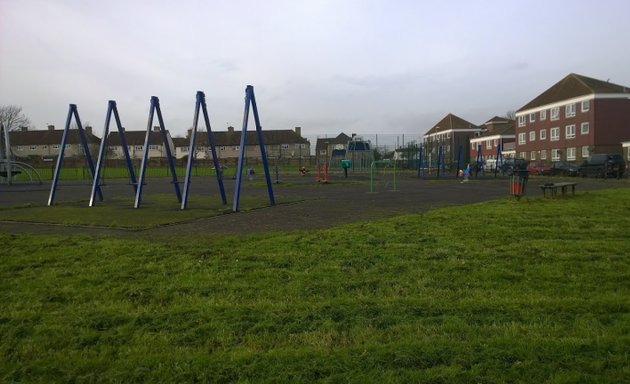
189	133
156	128
51	128
88	129
230	129
23	129
298	131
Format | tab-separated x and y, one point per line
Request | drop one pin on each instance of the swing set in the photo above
155	110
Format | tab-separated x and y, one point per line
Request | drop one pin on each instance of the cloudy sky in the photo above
365	66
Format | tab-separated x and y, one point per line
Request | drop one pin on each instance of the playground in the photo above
302	203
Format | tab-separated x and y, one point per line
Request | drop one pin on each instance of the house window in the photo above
543	115
19	148
521	138
68	146
532	117
555	134
448	135
521	121
584	128
322	151
496	142
236	147
569	132
523	155
110	147
543	134
222	148
138	147
586	106
488	144
184	149
285	146
555	155
585	152
532	135
44	147
555	113
532	155
543	155
571	153
33	147
472	146
569	110
55	146
153	148
303	146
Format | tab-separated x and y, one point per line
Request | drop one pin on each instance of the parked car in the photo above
561	168
510	165
603	165
538	168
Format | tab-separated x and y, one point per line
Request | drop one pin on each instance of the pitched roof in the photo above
498	126
50	137
341	138
574	85
135	137
450	122
233	138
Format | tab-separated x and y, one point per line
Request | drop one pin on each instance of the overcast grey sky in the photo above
387	66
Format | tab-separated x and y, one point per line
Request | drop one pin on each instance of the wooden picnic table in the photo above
553	188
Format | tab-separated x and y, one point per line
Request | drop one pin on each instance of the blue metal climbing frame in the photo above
155	109
112	109
72	112
499	163
251	99
479	163
201	104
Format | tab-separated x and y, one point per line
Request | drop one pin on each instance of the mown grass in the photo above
534	291
118	212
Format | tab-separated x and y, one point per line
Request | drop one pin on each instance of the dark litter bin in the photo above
518	182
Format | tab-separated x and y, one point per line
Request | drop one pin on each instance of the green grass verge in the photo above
531	291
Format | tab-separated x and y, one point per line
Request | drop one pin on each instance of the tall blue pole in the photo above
439	160
239	166
459	160
145	154
261	143
213	148
167	147
62	148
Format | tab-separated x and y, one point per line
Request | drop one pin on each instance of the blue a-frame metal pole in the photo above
201	104
250	98
499	162
420	162
479	161
459	161
155	108
111	109
72	111
439	160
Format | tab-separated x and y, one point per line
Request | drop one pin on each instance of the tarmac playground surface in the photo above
317	206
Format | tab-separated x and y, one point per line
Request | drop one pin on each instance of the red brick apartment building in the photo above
494	132
449	133
576	117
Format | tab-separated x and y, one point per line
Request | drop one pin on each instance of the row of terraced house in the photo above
280	145
576	117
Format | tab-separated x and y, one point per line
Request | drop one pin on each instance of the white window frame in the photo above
532	117
284	146
554	113
543	134
585	152
555	154
33	147
543	114
521	121
585	106
532	155
488	144
184	149
19	148
55	146
323	152
154	147
554	134
532	136
571	154
543	154
569	110
584	128
521	138
569	131
138	147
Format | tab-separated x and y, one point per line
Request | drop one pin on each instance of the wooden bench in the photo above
553	189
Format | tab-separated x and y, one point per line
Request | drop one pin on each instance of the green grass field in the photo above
532	291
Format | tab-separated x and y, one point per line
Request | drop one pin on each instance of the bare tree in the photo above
511	115
12	118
